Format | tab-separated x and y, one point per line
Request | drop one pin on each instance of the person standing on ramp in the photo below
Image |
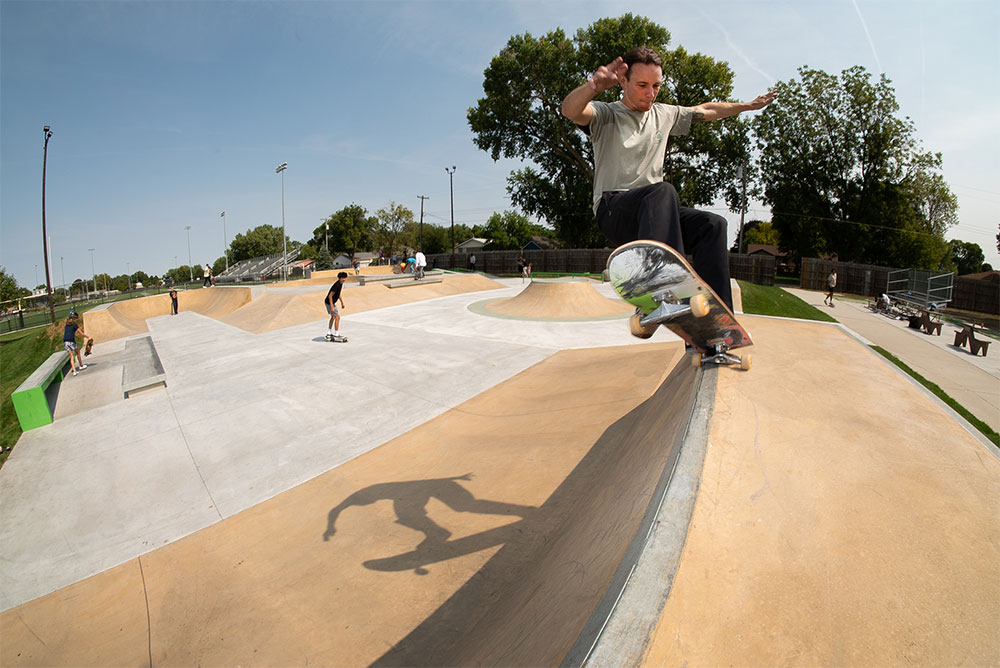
333	333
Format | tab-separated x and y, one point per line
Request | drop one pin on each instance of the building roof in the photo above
765	248
991	276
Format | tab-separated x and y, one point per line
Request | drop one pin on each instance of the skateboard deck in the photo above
336	339
89	347
666	291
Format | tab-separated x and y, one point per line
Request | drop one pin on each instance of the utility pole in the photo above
45	238
451	183
422	198
742	175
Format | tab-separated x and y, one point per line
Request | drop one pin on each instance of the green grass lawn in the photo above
18	359
772	300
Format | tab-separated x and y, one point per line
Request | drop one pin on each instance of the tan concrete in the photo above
843	519
559	299
538	485
277	310
128	317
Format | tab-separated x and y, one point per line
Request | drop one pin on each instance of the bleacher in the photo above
258	268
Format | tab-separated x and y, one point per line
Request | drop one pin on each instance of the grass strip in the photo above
943	396
18	360
773	301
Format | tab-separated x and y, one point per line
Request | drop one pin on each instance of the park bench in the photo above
29	399
930	326
967	335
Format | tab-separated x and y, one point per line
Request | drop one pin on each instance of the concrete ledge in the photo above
30	401
141	367
410	282
381	278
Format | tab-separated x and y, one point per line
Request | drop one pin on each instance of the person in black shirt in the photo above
69	342
331	307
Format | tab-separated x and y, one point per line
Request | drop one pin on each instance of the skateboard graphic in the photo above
336	339
666	291
89	347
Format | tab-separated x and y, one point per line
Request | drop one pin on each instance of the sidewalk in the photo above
972	381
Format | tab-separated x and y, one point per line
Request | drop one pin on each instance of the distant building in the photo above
343	261
472	245
541	243
988	276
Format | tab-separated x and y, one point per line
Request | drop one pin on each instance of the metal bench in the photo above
30	402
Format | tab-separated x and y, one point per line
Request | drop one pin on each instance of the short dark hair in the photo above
644	55
342	274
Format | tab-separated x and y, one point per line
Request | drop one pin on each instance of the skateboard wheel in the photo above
699	306
696	360
636	328
745	361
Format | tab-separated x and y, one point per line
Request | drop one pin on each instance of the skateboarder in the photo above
331	307
69	342
206	274
420	260
631	199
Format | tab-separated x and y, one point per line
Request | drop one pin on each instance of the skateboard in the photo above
336	339
89	347
666	291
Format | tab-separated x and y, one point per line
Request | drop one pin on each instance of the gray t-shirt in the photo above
629	146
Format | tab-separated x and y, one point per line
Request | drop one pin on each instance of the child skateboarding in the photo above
334	294
69	342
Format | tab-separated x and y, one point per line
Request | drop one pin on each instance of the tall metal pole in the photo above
45	237
190	268
451	184
92	270
284	249
63	267
422	198
225	240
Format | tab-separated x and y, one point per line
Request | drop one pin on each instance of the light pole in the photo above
225	239
45	237
451	183
280	169
190	269
128	274
92	270
63	267
422	198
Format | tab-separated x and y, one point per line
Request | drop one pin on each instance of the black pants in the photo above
654	212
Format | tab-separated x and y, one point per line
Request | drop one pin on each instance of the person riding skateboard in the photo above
629	137
331	307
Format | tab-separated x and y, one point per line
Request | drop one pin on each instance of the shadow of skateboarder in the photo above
409	499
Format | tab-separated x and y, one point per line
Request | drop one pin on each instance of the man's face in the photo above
642	86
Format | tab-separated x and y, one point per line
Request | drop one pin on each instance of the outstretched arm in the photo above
576	106
713	111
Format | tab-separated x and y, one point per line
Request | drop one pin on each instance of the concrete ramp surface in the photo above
559	299
128	317
486	536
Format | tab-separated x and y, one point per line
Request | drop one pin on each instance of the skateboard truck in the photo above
669	308
719	354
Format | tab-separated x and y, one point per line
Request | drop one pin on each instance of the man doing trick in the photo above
631	199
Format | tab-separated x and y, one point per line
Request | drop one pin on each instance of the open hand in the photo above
762	101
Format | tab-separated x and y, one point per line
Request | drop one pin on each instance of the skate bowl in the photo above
555	299
127	318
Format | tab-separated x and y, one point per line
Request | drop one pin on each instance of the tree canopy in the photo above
260	241
845	175
350	230
519	117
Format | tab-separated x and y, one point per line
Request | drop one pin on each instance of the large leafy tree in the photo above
510	230
966	256
392	223
260	241
9	289
845	175
519	117
350	230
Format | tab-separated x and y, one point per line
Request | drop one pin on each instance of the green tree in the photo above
324	260
844	175
519	117
967	257
219	266
9	289
260	241
350	231
761	233
510	231
391	225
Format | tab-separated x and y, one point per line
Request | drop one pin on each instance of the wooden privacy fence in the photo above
870	281
753	268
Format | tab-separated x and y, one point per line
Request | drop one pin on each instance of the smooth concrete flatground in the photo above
843	519
971	380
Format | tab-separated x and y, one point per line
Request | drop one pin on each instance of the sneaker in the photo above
329	337
82	367
75	372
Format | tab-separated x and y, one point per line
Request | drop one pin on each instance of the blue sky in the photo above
165	114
